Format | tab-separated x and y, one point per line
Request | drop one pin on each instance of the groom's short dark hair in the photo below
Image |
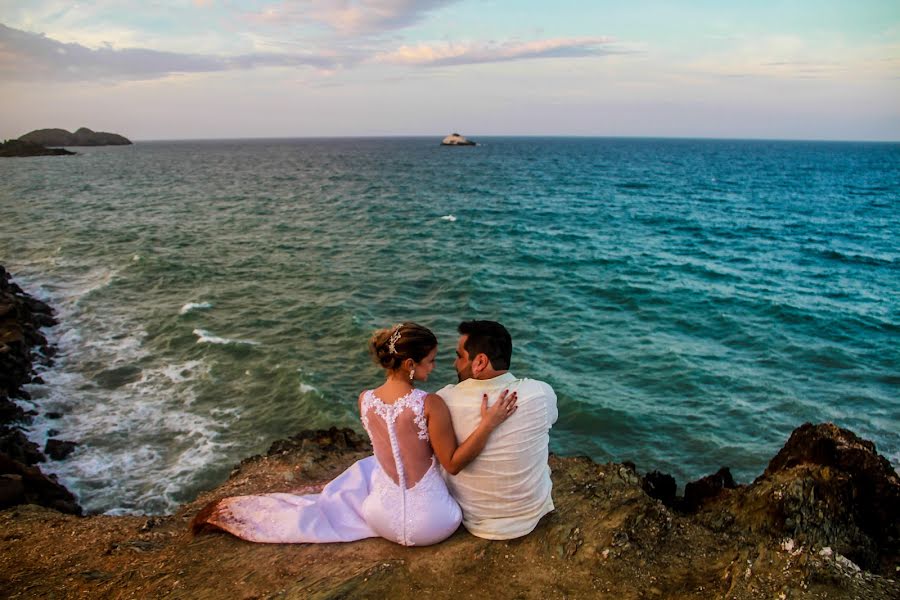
489	338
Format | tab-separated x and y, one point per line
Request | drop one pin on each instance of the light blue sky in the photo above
169	69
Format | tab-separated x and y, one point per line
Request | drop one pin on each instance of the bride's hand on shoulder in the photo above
500	410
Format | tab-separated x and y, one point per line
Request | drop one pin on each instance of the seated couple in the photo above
489	433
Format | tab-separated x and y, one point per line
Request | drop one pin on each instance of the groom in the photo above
506	490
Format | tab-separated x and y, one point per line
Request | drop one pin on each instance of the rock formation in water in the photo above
82	137
11	148
454	139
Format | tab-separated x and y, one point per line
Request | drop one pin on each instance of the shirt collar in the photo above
493	382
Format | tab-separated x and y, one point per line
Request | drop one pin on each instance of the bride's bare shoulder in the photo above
433	402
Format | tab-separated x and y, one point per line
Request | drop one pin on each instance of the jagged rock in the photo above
14	444
876	484
59	449
81	137
698	492
827	488
661	486
37	487
10	412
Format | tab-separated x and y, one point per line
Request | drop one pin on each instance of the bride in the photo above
398	493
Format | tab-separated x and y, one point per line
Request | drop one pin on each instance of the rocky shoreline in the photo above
822	521
22	345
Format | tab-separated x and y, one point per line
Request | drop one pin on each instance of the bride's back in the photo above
399	433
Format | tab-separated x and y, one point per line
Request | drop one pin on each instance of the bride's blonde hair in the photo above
390	347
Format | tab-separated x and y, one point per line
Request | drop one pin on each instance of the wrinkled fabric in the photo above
374	497
334	515
506	490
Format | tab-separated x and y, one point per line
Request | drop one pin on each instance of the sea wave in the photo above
143	432
191	306
205	337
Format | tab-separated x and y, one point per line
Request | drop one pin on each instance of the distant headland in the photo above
11	148
81	137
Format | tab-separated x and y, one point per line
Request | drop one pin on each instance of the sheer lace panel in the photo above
399	435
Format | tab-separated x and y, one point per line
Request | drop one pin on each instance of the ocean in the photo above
690	301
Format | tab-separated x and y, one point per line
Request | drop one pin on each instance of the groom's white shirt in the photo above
506	490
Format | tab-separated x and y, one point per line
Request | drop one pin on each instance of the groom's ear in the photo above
480	363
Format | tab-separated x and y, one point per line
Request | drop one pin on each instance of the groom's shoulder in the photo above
447	389
537	385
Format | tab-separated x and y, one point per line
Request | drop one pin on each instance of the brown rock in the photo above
59	449
606	539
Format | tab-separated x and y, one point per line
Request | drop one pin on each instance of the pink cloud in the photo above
460	53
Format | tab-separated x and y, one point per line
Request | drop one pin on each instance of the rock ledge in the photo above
606	538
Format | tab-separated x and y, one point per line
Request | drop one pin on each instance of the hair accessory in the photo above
395	337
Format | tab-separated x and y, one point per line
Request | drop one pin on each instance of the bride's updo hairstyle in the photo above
390	347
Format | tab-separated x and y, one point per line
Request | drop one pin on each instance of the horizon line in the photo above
476	137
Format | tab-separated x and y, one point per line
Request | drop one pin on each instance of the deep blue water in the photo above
691	301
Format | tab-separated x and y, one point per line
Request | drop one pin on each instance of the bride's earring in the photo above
412	374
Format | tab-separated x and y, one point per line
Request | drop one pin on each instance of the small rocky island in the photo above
454	139
11	148
81	137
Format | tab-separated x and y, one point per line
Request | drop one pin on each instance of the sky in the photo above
205	69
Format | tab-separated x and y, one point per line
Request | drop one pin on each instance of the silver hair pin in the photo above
395	337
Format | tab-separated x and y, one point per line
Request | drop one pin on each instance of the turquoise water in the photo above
690	301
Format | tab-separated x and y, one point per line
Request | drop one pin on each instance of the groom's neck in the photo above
490	374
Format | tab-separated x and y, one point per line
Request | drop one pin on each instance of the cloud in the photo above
33	56
351	17
450	53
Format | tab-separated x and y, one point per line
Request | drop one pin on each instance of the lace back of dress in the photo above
399	435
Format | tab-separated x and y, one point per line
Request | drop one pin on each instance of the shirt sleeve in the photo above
550	399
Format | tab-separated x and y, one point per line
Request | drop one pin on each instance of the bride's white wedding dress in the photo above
397	494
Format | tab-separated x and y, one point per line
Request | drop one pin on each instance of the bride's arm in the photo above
455	457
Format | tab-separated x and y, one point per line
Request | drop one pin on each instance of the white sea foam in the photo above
187	371
194	306
450	218
141	444
205	337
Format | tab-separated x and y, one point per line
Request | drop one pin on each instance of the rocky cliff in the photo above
82	137
803	529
